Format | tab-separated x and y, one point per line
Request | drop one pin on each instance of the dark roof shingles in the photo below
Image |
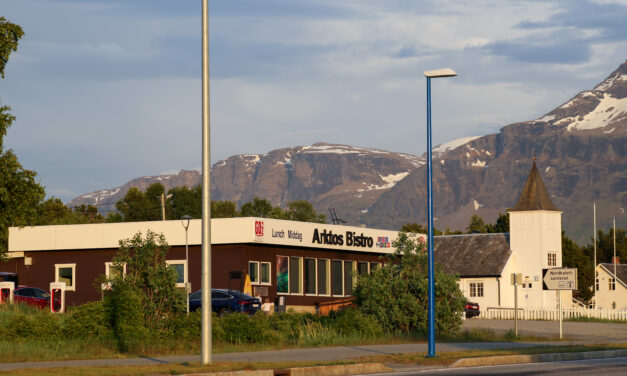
621	271
472	255
534	195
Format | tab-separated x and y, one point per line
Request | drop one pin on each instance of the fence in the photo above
552	315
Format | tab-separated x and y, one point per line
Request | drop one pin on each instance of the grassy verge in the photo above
593	319
417	359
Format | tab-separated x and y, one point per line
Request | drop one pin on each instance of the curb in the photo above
536	358
339	370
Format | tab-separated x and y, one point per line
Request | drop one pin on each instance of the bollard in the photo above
57	297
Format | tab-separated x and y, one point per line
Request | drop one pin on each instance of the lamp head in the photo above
185	219
444	72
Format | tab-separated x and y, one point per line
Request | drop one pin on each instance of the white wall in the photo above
606	297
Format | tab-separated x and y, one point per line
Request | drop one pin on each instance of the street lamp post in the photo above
446	72
185	219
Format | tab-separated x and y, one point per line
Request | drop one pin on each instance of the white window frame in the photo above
328	279
185	277
300	272
258	270
611	284
474	293
56	275
108	266
551	259
269	283
315	260
341	278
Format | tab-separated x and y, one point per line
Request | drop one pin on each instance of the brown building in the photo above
310	264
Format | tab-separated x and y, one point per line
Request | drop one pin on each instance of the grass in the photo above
593	319
416	359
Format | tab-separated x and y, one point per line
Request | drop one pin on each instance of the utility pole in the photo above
595	253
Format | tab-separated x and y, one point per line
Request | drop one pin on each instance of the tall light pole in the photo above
205	284
446	72
185	219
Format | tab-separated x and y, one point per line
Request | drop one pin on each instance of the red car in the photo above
32	296
471	309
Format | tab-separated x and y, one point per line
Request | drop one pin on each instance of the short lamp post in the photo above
185	219
446	72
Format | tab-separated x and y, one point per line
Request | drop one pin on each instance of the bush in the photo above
239	329
39	325
90	320
396	293
127	317
352	322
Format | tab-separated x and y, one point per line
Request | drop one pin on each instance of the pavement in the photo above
577	332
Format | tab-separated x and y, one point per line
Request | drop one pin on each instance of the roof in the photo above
534	195
621	271
473	255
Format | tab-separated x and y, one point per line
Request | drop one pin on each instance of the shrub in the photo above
90	320
238	328
39	325
352	322
396	293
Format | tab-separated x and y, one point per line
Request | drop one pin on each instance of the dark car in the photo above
471	309
32	296
226	301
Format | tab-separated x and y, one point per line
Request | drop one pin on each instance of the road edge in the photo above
537	358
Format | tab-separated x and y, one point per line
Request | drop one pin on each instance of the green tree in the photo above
476	225
223	209
256	208
142	206
574	256
303	211
185	201
20	193
142	300
419	229
395	293
501	225
605	245
54	212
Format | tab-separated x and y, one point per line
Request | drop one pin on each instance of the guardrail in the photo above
504	313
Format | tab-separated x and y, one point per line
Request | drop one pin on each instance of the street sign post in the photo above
559	279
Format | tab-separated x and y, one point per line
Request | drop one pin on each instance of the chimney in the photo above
615	260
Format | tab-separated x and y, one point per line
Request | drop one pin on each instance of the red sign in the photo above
258	228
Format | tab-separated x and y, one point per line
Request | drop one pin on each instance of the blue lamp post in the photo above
446	72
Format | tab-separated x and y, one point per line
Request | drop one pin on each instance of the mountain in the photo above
580	149
345	177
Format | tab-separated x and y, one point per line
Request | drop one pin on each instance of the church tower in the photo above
535	227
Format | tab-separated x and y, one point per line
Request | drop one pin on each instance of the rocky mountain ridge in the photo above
580	148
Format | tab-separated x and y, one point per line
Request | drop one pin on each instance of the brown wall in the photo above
90	264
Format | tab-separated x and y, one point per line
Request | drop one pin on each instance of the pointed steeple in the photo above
534	195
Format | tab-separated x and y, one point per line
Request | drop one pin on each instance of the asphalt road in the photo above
589	332
596	367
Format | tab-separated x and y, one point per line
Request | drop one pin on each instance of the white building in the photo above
611	286
485	262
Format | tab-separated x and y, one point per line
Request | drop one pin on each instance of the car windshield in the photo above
195	295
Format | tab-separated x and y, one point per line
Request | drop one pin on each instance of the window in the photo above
552	261
323	277
181	271
362	268
282	275
476	289
310	276
296	272
66	273
253	271
612	284
597	281
337	285
113	271
348	277
265	273
374	265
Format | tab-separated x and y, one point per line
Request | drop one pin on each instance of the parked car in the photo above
226	301
471	309
32	296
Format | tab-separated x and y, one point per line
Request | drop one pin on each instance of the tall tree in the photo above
54	212
476	225
20	193
185	201
574	256
141	206
501	225
419	229
256	208
304	211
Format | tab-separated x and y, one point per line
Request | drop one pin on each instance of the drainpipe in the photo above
498	281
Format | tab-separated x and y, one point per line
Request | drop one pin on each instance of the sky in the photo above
105	91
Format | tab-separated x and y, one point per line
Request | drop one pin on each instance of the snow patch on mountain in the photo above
390	181
442	148
611	81
608	110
